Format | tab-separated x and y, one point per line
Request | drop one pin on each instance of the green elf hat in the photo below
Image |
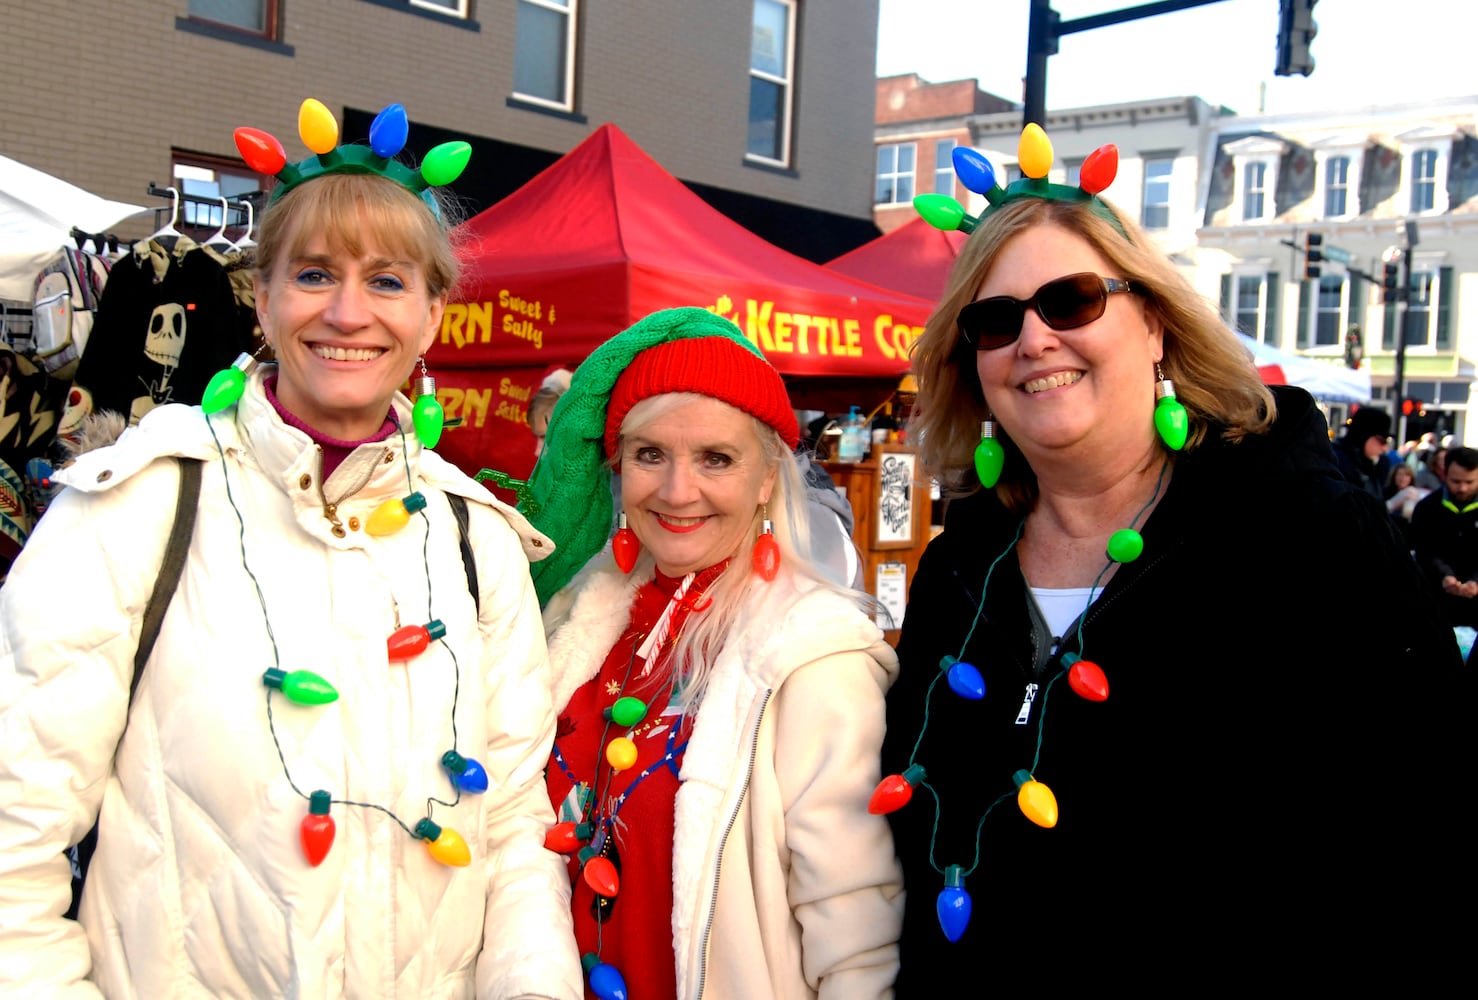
569	493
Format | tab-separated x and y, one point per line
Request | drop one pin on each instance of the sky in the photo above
1223	52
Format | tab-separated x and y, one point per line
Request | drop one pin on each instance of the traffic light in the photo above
1354	350
1313	254
1296	30
1390	282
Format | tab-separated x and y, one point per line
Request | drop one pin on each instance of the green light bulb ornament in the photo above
226	386
302	686
989	455
427	416
1171	420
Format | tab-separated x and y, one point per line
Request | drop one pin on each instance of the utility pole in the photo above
1046	26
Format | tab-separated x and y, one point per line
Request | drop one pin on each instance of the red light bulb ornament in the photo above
766	555
316	832
226	386
625	546
392	515
427	415
605	981
261	150
598	872
964	679
468	775
1035	800
895	791
412	640
302	686
566	837
444	844
1086	678
1099	169
953	905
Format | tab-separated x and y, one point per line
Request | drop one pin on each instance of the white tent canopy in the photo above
37	214
1327	380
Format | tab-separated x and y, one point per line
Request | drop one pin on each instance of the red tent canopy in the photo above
915	259
603	237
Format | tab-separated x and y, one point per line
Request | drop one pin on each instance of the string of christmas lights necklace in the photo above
304	687
1035	799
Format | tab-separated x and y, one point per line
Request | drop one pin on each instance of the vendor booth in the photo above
600	239
915	259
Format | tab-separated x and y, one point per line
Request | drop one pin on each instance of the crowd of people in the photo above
642	736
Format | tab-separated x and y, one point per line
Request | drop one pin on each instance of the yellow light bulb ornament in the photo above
317	127
1034	151
1036	801
621	753
392	515
444	844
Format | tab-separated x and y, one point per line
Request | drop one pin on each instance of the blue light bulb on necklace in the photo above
964	679
605	981
468	775
953	905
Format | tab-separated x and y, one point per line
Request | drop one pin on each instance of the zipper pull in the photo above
1026	705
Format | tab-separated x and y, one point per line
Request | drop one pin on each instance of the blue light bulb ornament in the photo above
468	775
953	905
964	679
389	130
974	171
226	386
605	981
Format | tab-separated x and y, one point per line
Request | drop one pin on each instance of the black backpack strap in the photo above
175	550
459	509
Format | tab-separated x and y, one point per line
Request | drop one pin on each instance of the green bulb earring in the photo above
1171	419
989	455
427	416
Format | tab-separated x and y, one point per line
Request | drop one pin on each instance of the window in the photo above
1336	186
944	167
1329	311
771	65
543	53
203	182
457	8
258	17
1254	179
1072	171
1249	304
895	174
1157	193
1424	180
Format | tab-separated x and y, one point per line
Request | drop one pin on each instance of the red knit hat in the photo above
710	366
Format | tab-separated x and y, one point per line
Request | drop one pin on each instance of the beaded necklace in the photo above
304	687
1034	798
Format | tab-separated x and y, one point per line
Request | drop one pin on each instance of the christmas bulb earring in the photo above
625	546
427	416
1171	420
227	385
989	455
766	555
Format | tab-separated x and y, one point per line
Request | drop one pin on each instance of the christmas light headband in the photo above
1034	153
320	133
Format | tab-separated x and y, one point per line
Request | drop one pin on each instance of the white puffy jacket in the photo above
199	886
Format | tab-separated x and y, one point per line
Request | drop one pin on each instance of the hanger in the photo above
217	240
244	240
168	230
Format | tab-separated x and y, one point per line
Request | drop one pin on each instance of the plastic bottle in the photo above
853	443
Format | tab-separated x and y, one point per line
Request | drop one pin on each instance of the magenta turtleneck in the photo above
334	450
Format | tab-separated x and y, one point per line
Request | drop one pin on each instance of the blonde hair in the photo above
1214	376
352	210
738	589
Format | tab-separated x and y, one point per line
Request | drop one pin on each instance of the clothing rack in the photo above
239	206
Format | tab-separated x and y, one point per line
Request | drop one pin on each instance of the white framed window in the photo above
944	166
771	81
1254	191
544	53
1336	187
1255	178
1337	162
1329	311
896	173
1249	304
1425	154
456	8
1156	211
256	17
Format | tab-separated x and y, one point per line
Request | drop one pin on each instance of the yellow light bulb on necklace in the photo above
1035	800
392	515
444	844
621	753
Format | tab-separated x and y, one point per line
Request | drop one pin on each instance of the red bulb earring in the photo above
625	546
766	554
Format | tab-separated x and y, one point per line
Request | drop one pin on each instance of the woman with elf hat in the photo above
1136	723
722	702
326	779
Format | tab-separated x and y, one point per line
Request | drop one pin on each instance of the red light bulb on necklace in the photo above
895	791
625	546
566	837
598	872
316	832
766	555
412	640
468	775
1085	677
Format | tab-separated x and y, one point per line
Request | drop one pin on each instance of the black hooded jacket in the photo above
1273	666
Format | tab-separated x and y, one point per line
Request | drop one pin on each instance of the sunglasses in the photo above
1063	303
